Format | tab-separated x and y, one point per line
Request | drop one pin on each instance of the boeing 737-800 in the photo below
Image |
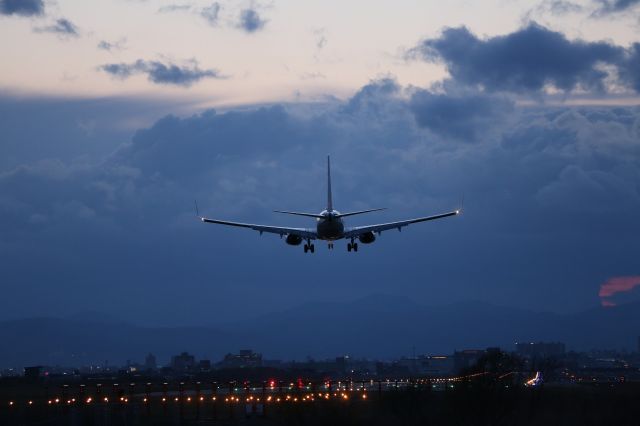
330	226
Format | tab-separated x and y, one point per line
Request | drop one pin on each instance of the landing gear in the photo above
309	248
330	246
352	246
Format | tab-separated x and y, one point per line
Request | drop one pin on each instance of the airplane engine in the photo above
367	238
294	240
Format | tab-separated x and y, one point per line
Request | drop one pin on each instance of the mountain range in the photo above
377	326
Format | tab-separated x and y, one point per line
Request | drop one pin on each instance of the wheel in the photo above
348	246
306	248
355	246
312	248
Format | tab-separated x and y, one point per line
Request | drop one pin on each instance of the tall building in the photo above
183	362
245	359
150	362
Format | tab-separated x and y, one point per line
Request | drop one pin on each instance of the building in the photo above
183	362
150	362
204	365
466	358
245	359
540	350
34	372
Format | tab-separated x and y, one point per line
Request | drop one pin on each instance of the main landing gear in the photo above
309	247
352	246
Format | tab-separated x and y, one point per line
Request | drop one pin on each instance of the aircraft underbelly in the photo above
330	230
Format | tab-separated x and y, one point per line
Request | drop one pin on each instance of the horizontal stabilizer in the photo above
360	212
300	214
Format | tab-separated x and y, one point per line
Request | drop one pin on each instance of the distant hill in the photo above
376	326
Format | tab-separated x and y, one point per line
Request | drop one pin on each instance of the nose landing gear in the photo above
330	246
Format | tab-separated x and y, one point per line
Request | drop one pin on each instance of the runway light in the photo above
30	402
364	396
10	402
164	399
49	402
144	400
213	398
89	400
105	399
188	399
176	399
202	398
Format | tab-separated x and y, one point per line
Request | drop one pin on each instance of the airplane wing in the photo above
302	232
358	230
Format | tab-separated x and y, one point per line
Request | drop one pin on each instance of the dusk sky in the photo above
116	115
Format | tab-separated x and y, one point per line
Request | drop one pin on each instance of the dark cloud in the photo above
630	68
524	61
211	13
161	73
608	7
62	27
22	7
541	190
250	21
462	117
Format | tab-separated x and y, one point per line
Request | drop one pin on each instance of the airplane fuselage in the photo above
330	227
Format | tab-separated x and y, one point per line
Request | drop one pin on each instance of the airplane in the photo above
329	225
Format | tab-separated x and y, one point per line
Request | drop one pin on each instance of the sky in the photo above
116	115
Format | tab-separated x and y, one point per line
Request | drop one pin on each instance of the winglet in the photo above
197	212
461	208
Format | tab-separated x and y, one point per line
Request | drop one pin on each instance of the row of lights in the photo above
232	399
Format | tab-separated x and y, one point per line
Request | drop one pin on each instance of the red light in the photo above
272	383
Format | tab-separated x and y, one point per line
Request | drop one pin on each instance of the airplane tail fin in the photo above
329	198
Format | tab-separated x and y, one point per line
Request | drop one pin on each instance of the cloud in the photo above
250	21
211	13
608	7
320	35
62	27
161	73
462	117
525	61
22	7
630	68
111	46
175	8
616	285
541	190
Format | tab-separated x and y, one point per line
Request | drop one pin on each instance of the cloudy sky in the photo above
116	115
